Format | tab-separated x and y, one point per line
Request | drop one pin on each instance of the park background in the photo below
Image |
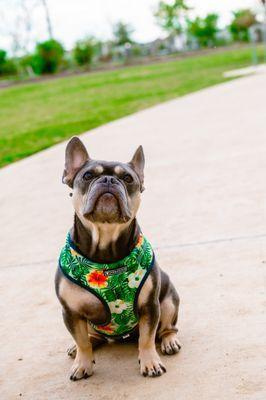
143	52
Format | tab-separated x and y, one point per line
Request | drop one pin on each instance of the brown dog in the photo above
92	283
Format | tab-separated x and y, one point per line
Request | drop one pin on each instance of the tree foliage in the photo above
83	51
3	55
204	29
242	21
19	20
122	33
7	66
48	57
171	16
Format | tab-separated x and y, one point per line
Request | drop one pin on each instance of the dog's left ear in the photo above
76	156
138	163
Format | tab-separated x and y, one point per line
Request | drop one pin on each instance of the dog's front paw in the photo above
81	369
170	344
150	364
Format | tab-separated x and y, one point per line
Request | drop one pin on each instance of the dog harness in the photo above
117	285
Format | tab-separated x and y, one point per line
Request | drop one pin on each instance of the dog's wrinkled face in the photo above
103	191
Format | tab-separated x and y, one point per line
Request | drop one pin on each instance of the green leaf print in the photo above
117	289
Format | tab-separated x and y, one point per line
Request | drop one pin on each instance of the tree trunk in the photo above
48	19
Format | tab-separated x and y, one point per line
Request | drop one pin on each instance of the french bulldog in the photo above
106	197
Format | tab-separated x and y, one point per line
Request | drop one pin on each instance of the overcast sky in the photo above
74	19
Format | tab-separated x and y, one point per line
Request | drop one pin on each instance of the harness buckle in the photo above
125	336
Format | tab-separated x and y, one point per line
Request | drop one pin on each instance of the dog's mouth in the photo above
106	205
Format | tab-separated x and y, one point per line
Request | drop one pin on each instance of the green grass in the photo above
36	116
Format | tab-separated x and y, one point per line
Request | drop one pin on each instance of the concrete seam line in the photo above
214	241
29	264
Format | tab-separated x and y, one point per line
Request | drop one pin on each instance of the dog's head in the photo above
103	191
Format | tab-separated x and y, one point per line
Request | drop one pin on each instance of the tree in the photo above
122	33
17	23
16	20
48	18
171	17
242	21
204	29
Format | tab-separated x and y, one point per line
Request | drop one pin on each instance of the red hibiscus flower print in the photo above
97	279
108	329
140	241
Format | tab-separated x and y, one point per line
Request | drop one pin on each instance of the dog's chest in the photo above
82	302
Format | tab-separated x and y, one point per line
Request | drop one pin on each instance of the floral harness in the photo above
117	284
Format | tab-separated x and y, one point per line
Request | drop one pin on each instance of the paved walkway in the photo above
204	209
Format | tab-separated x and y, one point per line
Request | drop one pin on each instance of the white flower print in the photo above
135	278
117	306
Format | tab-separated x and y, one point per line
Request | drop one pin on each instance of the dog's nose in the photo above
108	180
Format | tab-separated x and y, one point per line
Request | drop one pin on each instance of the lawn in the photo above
37	115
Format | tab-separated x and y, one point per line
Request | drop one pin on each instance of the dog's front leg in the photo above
150	363
83	363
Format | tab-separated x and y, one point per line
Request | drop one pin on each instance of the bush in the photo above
26	64
7	66
3	55
84	51
48	57
136	51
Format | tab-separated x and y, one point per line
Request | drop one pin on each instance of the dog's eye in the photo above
87	176
128	178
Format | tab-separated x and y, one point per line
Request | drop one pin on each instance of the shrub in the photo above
10	68
26	64
84	51
3	55
7	66
48	57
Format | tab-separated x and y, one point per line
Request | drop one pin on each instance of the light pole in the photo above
264	27
264	5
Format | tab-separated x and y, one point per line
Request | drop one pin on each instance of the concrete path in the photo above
204	210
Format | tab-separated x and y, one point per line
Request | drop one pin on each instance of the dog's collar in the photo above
136	253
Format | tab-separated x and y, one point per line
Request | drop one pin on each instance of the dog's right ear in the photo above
76	156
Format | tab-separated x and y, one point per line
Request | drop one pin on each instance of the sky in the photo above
75	19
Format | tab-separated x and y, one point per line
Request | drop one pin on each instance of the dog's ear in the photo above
76	156
138	163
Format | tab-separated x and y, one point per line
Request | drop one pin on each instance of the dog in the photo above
108	280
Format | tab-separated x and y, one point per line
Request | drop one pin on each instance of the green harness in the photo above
117	284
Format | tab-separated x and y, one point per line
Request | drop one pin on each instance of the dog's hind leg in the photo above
149	313
167	331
